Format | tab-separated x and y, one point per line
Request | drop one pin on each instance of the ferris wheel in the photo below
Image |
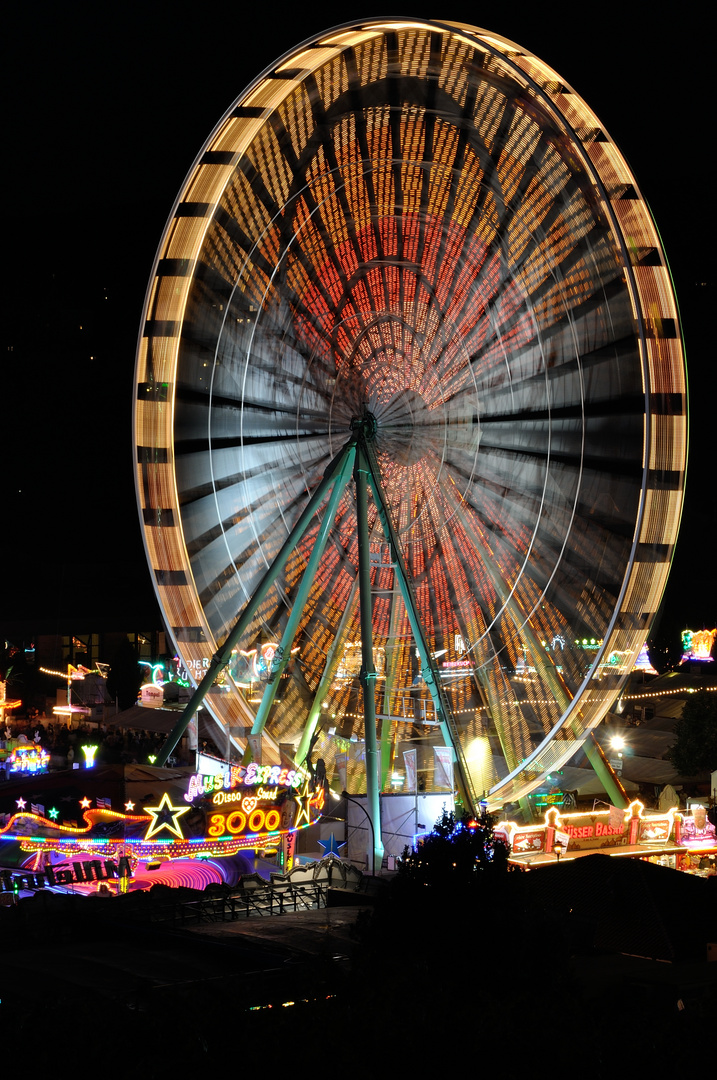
410	269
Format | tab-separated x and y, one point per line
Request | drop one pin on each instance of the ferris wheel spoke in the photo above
555	370
499	241
612	466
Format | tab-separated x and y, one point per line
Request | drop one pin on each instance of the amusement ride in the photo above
411	437
411	407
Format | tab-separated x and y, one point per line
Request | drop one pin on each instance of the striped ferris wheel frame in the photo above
423	222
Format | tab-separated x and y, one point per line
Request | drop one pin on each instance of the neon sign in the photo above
697	644
263	794
245	803
583	831
258	812
29	759
166	816
237	821
270	774
249	666
697	831
262	660
67	874
89	752
643	662
596	828
161	675
205	783
201	784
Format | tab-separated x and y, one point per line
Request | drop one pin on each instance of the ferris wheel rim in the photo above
490	43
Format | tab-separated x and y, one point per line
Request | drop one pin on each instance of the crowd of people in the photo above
114	746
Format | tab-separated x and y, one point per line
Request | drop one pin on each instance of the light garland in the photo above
665	693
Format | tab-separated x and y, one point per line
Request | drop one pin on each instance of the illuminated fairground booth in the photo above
410	415
133	826
683	840
697	645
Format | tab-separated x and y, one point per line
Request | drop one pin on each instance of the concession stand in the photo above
678	839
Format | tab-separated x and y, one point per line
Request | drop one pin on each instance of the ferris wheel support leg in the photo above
605	772
223	655
332	662
283	653
428	670
387	744
367	677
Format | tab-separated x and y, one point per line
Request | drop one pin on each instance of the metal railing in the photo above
275	899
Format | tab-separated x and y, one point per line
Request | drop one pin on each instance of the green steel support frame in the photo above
428	669
605	772
332	662
281	657
367	677
356	455
223	655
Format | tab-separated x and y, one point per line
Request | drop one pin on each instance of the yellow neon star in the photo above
85	803
303	801
166	810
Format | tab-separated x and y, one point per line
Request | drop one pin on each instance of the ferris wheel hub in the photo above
365	426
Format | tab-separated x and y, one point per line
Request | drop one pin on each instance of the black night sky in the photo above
105	111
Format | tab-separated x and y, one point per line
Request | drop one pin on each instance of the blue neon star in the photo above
332	845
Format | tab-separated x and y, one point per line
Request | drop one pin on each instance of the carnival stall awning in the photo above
159	721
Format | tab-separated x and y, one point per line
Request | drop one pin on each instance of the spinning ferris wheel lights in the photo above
420	221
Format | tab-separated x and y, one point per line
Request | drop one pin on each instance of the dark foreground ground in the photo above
497	978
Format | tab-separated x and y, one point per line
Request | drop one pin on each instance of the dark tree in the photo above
696	748
454	854
124	678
